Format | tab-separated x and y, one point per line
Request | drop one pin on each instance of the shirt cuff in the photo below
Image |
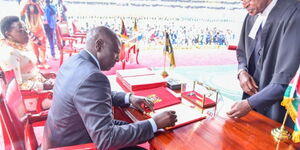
127	98
250	104
153	124
240	70
38	86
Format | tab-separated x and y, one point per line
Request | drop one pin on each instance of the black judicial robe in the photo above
280	54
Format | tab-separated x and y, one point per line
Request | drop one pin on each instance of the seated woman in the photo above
15	56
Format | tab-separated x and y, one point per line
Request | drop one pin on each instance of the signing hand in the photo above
165	119
239	109
48	86
138	101
247	83
49	75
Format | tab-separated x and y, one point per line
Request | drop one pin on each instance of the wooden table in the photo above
251	132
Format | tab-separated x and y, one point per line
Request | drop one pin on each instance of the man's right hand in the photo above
165	119
247	83
47	86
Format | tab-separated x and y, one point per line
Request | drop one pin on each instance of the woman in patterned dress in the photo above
15	56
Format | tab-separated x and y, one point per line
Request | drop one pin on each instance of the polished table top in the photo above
251	132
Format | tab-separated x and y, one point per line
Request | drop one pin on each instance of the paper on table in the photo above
184	113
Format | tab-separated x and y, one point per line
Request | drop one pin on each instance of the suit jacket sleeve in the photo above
118	99
240	51
267	96
93	101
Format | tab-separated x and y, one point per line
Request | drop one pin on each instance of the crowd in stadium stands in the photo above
188	4
189	32
150	32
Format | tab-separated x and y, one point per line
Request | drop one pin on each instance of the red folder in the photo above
136	83
133	72
197	98
163	97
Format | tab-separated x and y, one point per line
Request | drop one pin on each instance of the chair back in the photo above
59	38
8	75
7	145
122	52
59	44
133	50
75	29
18	133
64	29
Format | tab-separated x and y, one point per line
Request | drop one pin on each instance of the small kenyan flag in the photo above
291	102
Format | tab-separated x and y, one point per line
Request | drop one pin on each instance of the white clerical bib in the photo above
256	26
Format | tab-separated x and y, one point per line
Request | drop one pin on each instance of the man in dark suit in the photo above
82	101
268	56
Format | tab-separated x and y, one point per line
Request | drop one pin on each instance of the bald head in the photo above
100	33
104	45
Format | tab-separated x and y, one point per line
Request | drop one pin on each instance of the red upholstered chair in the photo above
64	29
17	125
14	118
68	48
232	47
76	30
33	100
133	50
122	55
66	35
125	55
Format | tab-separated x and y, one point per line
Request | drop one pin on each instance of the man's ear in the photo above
99	44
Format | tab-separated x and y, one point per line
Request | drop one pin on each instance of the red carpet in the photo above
154	58
197	57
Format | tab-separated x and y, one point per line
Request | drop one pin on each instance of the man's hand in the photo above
239	109
138	101
247	83
165	119
49	75
48	86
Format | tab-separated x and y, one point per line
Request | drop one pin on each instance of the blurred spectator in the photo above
33	17
50	24
61	11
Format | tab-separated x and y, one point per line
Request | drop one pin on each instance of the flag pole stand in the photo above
165	73
281	134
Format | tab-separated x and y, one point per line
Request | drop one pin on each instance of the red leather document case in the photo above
133	72
136	83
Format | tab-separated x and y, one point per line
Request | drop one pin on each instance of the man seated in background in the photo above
82	101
